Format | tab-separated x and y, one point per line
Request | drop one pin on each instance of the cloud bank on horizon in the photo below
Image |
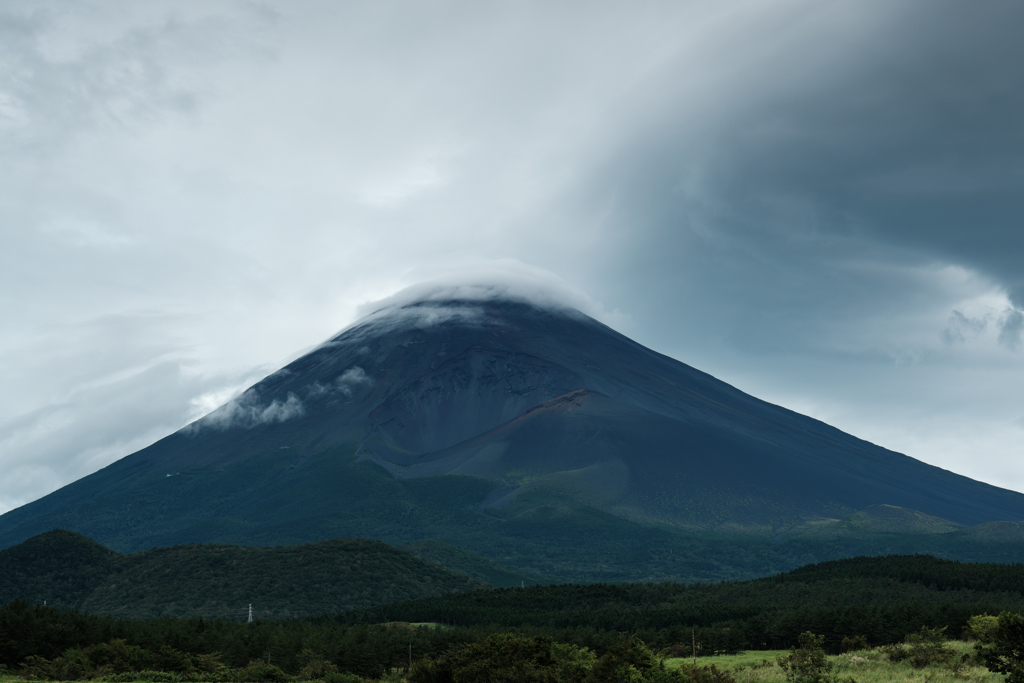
818	203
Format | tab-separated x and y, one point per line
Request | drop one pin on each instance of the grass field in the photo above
743	660
864	666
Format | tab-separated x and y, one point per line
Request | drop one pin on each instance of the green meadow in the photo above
751	659
863	666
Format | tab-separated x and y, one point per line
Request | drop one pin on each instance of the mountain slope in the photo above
530	434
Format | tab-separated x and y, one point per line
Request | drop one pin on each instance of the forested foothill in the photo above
907	605
65	569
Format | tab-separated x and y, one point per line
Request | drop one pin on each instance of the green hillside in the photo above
66	569
59	567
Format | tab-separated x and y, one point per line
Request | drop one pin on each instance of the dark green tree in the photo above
630	661
1004	653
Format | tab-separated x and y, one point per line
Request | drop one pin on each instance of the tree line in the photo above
850	600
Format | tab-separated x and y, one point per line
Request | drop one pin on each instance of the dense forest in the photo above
882	599
65	569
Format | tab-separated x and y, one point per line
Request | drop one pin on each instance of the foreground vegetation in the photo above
42	643
891	613
927	656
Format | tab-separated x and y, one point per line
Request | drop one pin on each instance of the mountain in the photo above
532	435
68	570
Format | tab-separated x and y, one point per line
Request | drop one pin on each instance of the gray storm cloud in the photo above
1011	328
907	138
961	328
817	202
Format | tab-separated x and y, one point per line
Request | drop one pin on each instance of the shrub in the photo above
676	650
37	668
316	670
981	627
427	670
202	665
126	677
506	657
116	661
895	652
705	674
337	677
628	660
258	671
956	667
928	646
807	663
151	676
510	658
73	665
498	657
854	643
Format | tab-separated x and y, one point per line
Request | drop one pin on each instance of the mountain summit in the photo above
471	413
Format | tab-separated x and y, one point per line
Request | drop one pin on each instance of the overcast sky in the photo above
821	203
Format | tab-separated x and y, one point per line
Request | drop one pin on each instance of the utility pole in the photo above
410	659
250	612
693	635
